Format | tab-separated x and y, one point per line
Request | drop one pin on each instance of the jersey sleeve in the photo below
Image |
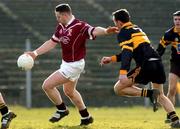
116	58
56	35
87	30
126	57
164	41
126	44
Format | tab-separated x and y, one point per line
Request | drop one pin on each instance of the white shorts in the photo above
72	70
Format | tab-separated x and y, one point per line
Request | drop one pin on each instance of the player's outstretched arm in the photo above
98	31
47	46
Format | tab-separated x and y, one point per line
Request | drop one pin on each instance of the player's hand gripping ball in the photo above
25	62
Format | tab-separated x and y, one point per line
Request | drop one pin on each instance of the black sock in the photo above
146	93
172	115
62	106
84	113
3	109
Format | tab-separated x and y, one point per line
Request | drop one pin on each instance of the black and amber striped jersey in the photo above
134	44
172	37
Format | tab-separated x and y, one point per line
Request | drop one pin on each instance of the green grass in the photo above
105	118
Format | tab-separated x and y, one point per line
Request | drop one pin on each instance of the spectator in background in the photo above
7	115
135	44
71	34
172	36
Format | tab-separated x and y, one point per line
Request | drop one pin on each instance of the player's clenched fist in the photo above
113	29
105	60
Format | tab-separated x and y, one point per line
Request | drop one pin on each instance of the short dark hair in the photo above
122	15
63	8
177	13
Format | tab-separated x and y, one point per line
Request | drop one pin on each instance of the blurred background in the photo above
33	21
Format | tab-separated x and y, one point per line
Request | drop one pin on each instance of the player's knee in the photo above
118	90
162	98
69	93
45	86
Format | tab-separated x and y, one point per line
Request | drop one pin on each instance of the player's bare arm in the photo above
47	46
98	31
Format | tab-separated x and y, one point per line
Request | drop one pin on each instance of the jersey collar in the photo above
70	21
127	24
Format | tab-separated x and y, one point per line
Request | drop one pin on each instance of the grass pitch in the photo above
104	118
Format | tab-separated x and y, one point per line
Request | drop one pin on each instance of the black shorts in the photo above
175	68
151	71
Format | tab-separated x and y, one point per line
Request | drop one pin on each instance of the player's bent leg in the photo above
127	90
71	92
163	100
75	97
50	84
118	89
49	87
171	91
168	106
133	90
172	87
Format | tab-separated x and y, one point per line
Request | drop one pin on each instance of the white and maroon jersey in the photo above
73	39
